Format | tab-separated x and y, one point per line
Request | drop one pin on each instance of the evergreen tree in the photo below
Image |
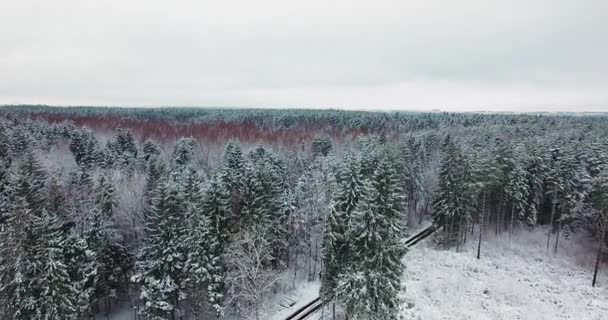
264	201
321	146
599	199
234	165
16	293
31	183
109	256
535	175
555	184
209	239
518	192
216	207
150	151
232	175
123	147
161	268
5	148
486	179
85	148
183	152
453	201
370	287
335	246
55	294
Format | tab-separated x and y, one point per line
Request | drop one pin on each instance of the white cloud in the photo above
459	55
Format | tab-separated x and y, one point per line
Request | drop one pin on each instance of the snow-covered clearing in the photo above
514	279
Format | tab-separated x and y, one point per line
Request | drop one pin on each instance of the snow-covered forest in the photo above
179	214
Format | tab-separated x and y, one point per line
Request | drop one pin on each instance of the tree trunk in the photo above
551	219
599	250
309	258
466	231
314	270
559	229
108	307
450	233
459	237
295	270
512	217
481	224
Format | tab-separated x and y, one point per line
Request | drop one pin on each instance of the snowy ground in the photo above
123	313
305	292
515	279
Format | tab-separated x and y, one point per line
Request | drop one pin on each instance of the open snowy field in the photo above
514	279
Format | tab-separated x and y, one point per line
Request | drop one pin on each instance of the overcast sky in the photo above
467	55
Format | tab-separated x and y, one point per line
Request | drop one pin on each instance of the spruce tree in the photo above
56	295
123	147
16	292
217	208
109	255
85	148
150	151
5	148
453	201
161	267
183	152
518	192
31	183
321	146
335	245
234	165
535	175
369	288
209	239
